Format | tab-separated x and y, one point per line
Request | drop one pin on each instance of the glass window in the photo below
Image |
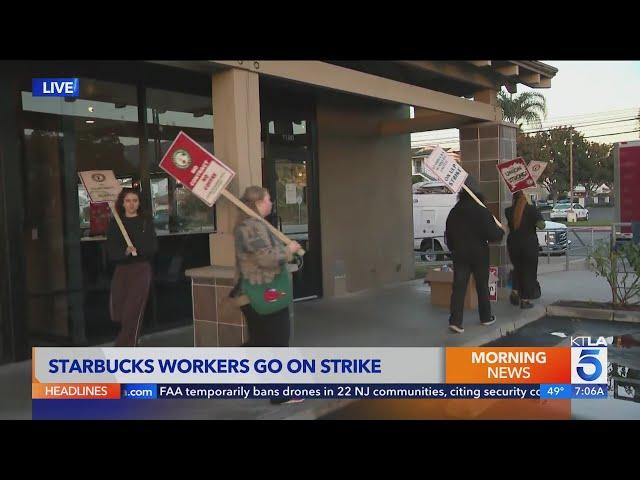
67	273
291	195
300	128
160	204
175	208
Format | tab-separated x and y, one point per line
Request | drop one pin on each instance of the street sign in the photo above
446	169
516	174
197	169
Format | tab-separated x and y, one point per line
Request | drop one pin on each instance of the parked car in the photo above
543	205
554	237
561	209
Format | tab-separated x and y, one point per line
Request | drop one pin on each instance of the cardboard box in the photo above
441	286
222	250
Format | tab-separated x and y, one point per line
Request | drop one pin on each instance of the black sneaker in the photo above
524	304
491	321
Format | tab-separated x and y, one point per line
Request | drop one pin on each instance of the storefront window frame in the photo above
134	73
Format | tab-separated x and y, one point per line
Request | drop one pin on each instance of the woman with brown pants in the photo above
132	276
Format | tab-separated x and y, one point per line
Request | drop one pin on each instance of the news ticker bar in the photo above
317	391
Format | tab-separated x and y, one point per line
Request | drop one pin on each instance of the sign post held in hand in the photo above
448	171
102	186
206	176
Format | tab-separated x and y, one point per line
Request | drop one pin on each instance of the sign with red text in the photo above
197	169
516	174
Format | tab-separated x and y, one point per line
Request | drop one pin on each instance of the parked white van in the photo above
432	202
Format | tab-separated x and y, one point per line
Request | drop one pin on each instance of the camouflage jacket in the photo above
260	255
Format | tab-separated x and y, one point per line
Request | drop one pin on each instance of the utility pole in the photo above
570	171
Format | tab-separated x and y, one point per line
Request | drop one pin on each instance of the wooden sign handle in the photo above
122	229
473	195
233	199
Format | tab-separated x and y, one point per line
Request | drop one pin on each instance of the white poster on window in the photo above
291	193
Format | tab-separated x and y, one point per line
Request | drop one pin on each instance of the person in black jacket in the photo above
469	229
523	247
132	276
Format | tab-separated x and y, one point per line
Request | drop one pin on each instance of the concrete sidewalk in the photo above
393	316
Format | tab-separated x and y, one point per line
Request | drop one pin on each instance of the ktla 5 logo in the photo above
588	360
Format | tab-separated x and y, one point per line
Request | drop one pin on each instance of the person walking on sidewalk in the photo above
469	228
523	248
133	273
260	257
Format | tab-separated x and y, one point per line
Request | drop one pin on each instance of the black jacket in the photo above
469	229
143	237
526	234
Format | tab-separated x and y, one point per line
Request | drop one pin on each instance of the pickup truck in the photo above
554	237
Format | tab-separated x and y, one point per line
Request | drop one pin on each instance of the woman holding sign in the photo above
260	258
522	244
132	276
264	291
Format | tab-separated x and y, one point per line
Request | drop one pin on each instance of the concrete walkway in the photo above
394	316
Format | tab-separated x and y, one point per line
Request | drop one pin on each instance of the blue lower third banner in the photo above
328	391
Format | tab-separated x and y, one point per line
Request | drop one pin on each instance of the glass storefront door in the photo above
290	190
290	174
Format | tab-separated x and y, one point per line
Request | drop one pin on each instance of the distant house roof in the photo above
603	188
423	152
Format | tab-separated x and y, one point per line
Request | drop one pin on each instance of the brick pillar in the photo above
236	133
482	147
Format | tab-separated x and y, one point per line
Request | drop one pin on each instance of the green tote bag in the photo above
266	298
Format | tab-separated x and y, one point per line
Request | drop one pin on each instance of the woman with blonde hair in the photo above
261	259
523	247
